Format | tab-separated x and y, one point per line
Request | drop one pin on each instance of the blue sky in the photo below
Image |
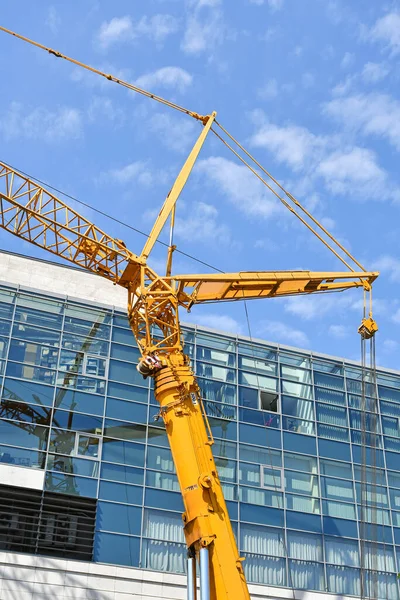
309	86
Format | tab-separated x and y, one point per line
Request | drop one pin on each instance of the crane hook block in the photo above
149	365
368	328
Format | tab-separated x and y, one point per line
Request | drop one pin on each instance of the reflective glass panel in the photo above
22	457
72	420
79	401
119	518
75	466
126	453
121	473
117	549
119	492
70	484
127	411
126	431
18	434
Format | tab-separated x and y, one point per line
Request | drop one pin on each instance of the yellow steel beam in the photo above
176	189
247	285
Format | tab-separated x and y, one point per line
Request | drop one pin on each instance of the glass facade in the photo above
287	428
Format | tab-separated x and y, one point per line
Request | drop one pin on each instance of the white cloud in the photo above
387	30
202	224
390	265
396	316
353	171
273	4
217	321
123	29
53	20
101	108
239	186
175	133
40	123
372	114
280	332
390	346
269	90
166	77
204	28
338	331
347	60
311	307
291	144
374	72
135	171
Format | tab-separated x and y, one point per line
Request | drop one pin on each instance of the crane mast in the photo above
31	212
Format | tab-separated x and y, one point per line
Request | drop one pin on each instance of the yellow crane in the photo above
32	213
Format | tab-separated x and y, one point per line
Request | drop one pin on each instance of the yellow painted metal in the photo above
177	188
32	213
265	284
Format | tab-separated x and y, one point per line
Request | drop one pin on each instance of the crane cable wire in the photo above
108	76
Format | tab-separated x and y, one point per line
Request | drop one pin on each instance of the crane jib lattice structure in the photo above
31	212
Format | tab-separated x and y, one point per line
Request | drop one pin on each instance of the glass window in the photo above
372	456
389	393
393	479
343	580
83	384
342	510
22	457
261	515
73	466
225	359
331	396
307	575
298	462
162	481
333	415
126	453
79	401
161	525
17	434
296	442
119	518
299	360
39	311
224	449
304	546
260	436
249	397
121	473
30	372
76	343
340	527
157	435
62	442
327	367
303	521
26	391
125	431
219	392
224	411
262	540
128	411
223	429
86	328
250	474
264	418
372	495
362	403
335	469
36	334
119	492
261	497
164	499
330	449
257	350
342	552
301	483
361	420
329	381
370	474
388	408
117	549
337	489
124	336
160	458
29	413
123	352
27	352
391	426
123	372
128	392
71	420
217	342
297	389
298	425
297	408
258	366
261	456
5	327
294	374
215	372
258	381
303	504
88	445
70	484
333	433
